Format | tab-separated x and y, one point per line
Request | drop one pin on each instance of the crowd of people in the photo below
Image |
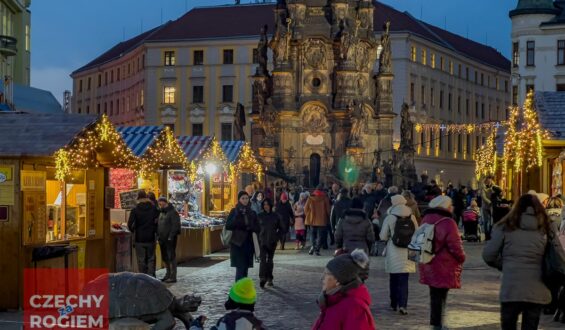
523	242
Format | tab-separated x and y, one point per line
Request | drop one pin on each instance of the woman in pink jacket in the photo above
345	301
444	271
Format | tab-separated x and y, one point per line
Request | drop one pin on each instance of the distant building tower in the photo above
67	101
538	47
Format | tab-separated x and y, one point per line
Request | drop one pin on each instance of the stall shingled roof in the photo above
194	146
39	134
139	138
232	149
550	107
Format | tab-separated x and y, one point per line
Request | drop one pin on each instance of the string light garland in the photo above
82	151
531	136
246	162
485	157
457	128
165	152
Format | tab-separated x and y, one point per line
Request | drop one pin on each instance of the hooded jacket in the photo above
354	231
444	271
169	223
519	254
346	310
143	221
396	258
317	209
338	209
270	224
286	214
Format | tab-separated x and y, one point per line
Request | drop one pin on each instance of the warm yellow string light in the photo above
165	152
82	152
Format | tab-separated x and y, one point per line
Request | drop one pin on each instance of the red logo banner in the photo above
61	298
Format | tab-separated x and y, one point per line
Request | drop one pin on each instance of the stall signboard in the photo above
34	217
128	199
7	194
32	180
109	197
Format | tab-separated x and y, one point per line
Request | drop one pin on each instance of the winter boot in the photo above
173	277
168	273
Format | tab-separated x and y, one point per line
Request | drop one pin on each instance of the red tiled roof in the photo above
119	49
232	21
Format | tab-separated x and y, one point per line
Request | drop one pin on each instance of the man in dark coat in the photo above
167	231
342	203
386	203
142	223
459	202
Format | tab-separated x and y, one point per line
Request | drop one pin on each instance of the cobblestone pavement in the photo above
291	303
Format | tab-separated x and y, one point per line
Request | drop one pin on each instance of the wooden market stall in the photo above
160	158
210	182
52	181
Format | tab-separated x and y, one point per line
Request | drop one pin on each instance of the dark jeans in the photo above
331	233
145	258
530	315
266	265
169	256
398	287
282	238
319	237
438	300
240	272
487	223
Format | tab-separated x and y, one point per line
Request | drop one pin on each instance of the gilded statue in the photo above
358	124
385	62
239	123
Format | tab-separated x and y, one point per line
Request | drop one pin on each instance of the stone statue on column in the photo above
239	123
262	48
385	61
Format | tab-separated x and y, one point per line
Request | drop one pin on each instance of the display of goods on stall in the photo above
197	220
178	187
119	228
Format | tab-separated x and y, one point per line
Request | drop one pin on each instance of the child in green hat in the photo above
240	306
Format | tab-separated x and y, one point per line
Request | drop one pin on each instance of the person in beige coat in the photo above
396	258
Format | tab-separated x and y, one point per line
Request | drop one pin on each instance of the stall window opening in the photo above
66	207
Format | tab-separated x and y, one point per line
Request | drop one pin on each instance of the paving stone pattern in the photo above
291	303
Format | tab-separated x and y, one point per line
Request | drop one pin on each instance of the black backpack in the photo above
403	231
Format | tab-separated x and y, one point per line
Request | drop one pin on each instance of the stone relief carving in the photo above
290	160
329	159
314	118
315	53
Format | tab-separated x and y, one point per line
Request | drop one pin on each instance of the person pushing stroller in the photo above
471	220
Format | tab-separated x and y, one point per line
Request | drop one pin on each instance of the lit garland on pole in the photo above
511	141
531	136
485	157
82	151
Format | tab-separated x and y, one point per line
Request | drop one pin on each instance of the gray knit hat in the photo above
347	267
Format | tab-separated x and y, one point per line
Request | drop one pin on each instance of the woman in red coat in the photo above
444	271
345	301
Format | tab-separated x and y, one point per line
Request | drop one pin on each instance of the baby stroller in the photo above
471	225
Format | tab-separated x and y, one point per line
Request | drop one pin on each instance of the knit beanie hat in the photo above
284	196
241	193
243	291
347	267
398	200
441	201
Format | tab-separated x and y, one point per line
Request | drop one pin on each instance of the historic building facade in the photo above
15	34
538	47
323	102
191	73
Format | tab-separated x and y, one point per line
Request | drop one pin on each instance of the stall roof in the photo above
39	134
551	111
139	138
194	146
232	149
